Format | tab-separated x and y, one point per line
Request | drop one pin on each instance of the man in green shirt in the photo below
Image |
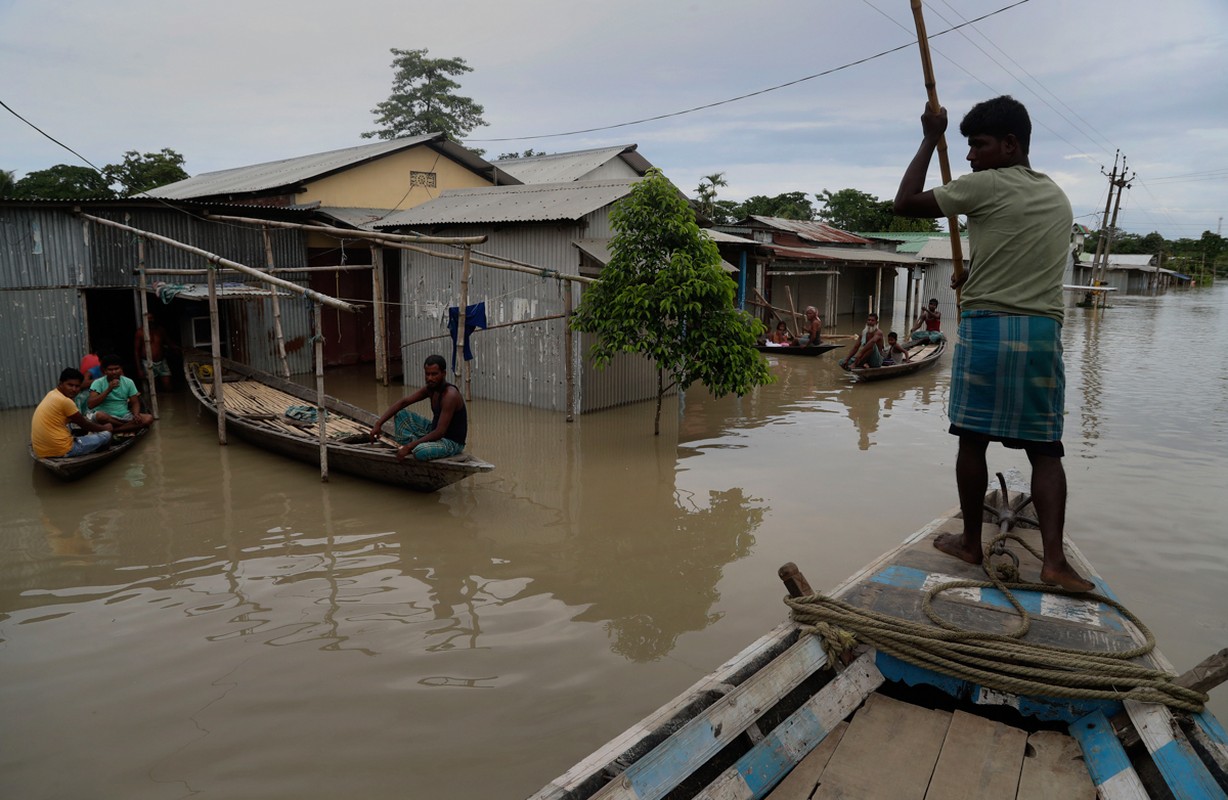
1007	378
115	399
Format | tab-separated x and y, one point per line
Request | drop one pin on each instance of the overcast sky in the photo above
229	83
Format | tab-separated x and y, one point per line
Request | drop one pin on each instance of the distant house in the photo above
804	263
560	227
597	164
1130	274
351	187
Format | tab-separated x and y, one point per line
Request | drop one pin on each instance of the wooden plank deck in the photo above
899	751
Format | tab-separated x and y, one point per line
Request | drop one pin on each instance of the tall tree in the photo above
789	205
705	193
139	173
424	99
526	154
7	182
665	296
63	182
853	210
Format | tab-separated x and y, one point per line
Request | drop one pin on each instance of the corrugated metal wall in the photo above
52	251
42	331
522	364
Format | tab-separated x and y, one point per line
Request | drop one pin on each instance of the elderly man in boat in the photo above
440	436
115	399
813	334
50	436
867	351
1007	379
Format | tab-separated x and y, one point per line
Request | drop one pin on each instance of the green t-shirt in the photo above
1019	225
116	403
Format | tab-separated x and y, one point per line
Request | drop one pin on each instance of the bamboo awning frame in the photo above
412	243
318	300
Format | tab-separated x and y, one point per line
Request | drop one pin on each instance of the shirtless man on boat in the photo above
814	328
931	318
1009	354
439	437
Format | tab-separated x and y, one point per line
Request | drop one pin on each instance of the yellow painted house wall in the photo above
385	182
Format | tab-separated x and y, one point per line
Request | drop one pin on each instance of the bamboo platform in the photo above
265	406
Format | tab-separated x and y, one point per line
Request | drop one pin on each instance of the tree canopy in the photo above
789	205
664	295
853	210
7	182
141	172
63	182
424	99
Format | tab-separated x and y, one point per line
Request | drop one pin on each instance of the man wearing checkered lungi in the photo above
1007	379
442	435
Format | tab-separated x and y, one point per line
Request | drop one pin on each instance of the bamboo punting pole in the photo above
931	88
792	312
381	314
213	258
277	331
878	292
215	342
352	233
147	345
321	412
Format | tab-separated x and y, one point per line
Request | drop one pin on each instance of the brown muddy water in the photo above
213	620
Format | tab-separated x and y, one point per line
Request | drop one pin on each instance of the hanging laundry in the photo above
475	317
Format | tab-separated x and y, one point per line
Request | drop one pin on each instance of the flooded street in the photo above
214	620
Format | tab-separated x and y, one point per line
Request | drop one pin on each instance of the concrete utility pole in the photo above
1104	221
1121	185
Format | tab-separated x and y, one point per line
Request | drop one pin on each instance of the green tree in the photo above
664	295
141	172
526	154
790	205
8	182
705	193
852	210
63	182
424	99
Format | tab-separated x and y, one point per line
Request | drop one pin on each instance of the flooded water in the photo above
214	620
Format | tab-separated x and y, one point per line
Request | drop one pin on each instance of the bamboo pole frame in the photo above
380	310
278	336
219	395
462	318
568	354
931	88
147	345
321	412
352	233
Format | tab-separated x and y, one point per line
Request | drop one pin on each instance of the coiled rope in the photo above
1001	661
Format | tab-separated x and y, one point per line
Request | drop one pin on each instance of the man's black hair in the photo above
112	360
436	360
999	117
71	374
932	300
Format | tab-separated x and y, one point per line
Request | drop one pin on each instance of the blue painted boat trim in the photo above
769	761
1211	726
1187	777
914	579
1102	752
1059	709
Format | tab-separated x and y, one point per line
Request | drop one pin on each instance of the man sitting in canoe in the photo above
814	328
1008	381
867	350
441	436
931	318
50	435
115	399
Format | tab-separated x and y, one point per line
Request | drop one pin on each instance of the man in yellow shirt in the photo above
50	435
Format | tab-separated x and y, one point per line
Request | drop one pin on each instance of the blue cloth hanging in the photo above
475	317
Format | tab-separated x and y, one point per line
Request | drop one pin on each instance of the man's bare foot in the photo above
1067	578
953	544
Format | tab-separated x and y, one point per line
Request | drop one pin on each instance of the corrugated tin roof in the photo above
542	202
810	230
856	256
599	251
563	167
1126	260
200	291
940	249
909	242
291	172
355	217
720	237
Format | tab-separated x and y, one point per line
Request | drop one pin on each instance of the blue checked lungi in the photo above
408	426
1007	377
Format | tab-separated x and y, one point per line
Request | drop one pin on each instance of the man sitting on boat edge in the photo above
814	328
115	399
441	436
50	436
867	351
931	318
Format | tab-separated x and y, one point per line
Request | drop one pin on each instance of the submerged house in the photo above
803	263
1130	274
553	236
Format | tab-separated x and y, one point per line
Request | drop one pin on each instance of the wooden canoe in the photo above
921	356
777	720
70	469
792	350
256	404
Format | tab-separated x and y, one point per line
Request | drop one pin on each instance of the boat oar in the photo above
931	88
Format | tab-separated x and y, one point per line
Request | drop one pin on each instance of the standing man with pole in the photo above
1008	381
